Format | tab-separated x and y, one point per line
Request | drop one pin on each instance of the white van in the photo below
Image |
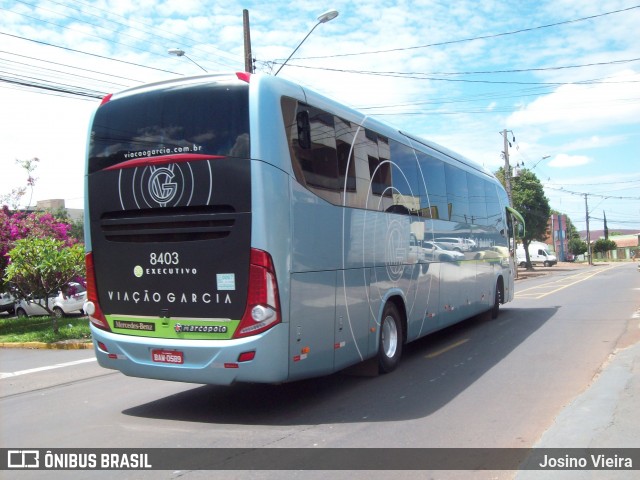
538	253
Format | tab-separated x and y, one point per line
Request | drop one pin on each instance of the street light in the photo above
543	158
516	169
180	53
324	18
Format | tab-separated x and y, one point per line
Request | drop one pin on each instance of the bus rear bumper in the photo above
215	362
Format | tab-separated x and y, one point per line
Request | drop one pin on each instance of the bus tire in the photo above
390	347
498	299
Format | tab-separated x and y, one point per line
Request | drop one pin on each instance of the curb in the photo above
50	346
540	271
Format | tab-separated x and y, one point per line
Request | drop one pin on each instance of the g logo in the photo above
166	185
396	250
161	186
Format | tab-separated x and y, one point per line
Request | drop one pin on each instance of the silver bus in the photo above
242	228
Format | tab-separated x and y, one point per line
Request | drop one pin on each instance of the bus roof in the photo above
311	97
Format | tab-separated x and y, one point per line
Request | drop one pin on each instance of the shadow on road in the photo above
434	370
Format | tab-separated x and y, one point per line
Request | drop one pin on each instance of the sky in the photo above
561	77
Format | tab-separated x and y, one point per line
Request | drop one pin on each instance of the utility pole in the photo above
561	235
507	184
586	208
507	168
248	58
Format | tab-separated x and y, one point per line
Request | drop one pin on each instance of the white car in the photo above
436	252
7	302
70	301
457	244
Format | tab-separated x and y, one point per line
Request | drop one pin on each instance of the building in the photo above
75	214
557	237
628	247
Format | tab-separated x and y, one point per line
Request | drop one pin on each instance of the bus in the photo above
242	228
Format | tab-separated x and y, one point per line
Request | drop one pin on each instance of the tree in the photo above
529	199
15	226
76	227
577	246
603	246
41	267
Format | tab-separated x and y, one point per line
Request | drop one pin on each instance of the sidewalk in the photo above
539	270
63	345
606	415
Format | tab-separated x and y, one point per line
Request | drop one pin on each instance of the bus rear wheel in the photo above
390	347
499	298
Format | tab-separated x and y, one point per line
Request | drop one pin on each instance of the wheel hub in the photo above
389	337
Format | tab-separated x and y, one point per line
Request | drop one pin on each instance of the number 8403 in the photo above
164	258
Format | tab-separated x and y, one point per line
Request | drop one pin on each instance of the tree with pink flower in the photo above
38	254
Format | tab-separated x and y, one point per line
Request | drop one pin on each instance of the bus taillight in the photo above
106	98
244	76
263	304
92	307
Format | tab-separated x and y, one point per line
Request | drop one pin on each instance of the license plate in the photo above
167	356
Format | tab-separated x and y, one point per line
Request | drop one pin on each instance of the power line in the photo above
604	183
541	69
45	91
52	87
428	76
61	72
614	197
68	66
88	53
414	75
610	220
482	37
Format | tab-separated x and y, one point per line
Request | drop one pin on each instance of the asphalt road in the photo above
483	383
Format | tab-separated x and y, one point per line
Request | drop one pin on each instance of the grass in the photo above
40	329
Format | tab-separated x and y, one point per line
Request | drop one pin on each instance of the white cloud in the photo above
584	107
593	126
595	141
568	161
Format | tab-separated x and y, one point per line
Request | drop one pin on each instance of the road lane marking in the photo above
545	289
446	349
4	375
